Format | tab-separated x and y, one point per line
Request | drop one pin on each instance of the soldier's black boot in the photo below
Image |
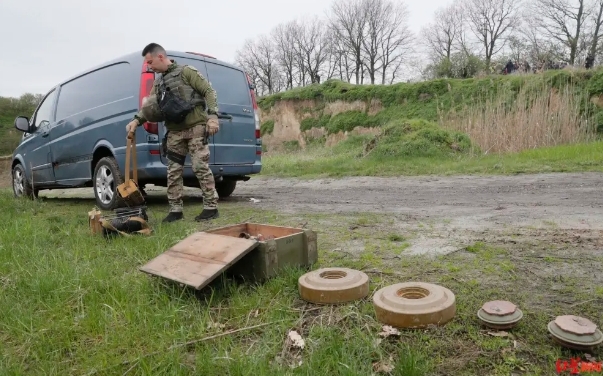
207	214
173	216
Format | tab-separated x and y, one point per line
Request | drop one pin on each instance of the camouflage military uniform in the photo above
185	142
188	137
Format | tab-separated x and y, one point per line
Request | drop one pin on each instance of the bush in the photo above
414	138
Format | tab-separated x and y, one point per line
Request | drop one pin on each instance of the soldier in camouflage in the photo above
187	137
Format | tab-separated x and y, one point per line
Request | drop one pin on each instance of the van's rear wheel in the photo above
225	188
106	179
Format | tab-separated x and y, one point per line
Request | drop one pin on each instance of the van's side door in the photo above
235	142
91	108
38	157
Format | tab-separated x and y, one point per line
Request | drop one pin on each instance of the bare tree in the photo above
464	39
387	38
396	40
346	64
490	21
284	41
348	21
244	59
258	58
540	50
313	47
563	21
597	20
443	34
334	55
372	37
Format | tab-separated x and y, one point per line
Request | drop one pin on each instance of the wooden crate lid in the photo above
200	258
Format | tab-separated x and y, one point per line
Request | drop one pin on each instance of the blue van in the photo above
76	137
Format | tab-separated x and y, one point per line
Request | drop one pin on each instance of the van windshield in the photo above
230	84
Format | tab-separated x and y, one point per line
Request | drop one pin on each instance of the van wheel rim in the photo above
18	182
104	185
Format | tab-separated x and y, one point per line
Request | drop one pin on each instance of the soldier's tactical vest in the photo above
173	80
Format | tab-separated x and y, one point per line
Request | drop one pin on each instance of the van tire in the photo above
103	166
27	189
225	188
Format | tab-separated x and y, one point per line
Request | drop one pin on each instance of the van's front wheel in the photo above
106	179
21	186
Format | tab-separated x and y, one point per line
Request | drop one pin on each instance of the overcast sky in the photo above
46	41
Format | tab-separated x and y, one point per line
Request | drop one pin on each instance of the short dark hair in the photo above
153	48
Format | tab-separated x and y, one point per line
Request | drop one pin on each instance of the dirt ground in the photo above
444	213
449	213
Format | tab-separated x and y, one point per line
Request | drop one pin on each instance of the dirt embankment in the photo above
5	179
288	115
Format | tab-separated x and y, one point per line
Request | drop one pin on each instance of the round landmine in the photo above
499	314
333	285
414	305
575	332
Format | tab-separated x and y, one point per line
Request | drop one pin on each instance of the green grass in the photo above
73	303
348	159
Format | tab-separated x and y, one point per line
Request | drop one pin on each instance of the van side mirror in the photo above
22	123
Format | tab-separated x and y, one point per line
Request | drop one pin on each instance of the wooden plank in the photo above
254	229
199	258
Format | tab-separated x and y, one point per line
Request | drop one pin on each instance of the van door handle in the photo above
224	115
45	134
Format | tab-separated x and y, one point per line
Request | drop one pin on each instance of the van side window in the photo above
43	116
100	87
230	84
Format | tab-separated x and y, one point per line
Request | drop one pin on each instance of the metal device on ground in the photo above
333	285
124	221
499	314
573	332
128	190
414	305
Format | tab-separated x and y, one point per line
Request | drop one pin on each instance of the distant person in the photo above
510	67
186	131
590	61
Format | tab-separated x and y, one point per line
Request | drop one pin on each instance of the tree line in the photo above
370	41
12	107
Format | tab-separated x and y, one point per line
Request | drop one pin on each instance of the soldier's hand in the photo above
131	127
213	126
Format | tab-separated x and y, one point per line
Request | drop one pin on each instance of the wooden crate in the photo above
290	247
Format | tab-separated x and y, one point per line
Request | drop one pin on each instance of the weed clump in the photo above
408	138
267	127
